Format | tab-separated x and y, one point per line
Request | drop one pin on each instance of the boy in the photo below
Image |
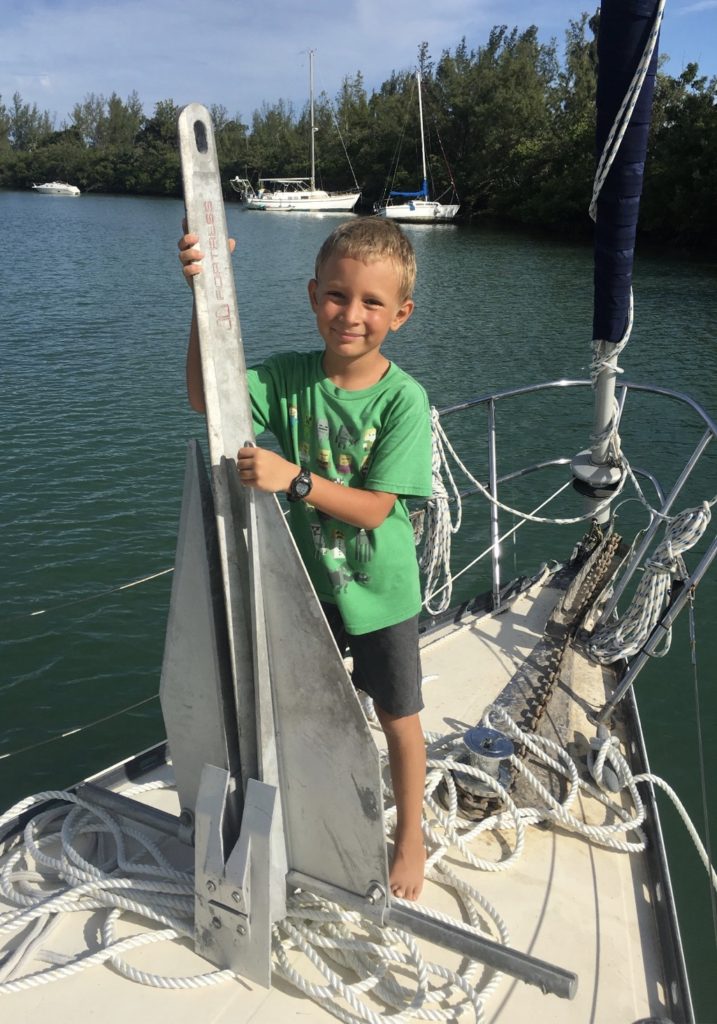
355	435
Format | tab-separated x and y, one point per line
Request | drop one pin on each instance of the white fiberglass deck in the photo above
566	901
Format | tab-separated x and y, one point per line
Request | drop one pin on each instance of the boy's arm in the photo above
267	471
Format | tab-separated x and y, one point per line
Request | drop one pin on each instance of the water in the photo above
94	424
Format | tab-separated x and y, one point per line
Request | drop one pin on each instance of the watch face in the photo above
300	486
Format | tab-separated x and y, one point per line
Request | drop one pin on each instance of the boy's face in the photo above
357	304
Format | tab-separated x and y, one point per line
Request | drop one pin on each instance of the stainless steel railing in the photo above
665	503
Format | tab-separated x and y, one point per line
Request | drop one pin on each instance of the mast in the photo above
625	35
423	141
311	106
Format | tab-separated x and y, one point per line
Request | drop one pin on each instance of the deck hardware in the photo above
489	751
375	893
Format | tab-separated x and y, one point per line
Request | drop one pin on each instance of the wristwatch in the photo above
300	486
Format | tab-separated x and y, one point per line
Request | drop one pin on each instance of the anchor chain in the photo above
596	576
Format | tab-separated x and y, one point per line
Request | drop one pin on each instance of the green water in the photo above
94	424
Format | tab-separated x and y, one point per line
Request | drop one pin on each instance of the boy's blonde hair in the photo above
368	239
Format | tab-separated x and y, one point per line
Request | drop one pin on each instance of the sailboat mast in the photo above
311	107
624	37
423	141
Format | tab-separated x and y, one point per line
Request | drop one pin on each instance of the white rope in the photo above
622	118
609	754
626	636
337	943
438	527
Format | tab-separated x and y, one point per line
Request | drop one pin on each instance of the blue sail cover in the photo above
422	194
624	28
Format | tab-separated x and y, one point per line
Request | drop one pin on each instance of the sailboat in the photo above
292	194
258	841
418	207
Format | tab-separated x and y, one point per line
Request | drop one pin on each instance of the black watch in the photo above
300	486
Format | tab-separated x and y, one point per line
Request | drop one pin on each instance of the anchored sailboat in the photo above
291	194
418	207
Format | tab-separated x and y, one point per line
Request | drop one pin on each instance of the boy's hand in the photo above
264	470
190	255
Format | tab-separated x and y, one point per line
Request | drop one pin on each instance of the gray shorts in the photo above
387	662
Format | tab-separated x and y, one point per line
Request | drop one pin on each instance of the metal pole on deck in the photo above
621	145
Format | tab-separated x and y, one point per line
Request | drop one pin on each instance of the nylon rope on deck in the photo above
94	861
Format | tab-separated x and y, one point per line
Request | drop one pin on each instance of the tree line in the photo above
510	124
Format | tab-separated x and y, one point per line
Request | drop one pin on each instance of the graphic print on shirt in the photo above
338	454
362	546
318	534
369	439
344	438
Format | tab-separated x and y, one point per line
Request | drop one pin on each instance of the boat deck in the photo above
567	901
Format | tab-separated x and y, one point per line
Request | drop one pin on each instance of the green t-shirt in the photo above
378	438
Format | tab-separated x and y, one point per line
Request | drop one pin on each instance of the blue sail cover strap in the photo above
624	29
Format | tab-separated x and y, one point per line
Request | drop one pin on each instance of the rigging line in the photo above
445	158
701	755
393	166
92	597
80	728
511	533
335	119
434	124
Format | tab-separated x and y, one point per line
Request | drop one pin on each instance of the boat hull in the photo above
420	211
309	202
56	188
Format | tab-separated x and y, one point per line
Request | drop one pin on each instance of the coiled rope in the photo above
626	636
84	859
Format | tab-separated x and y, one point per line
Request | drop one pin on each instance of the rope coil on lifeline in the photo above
628	635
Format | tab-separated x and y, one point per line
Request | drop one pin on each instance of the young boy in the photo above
355	435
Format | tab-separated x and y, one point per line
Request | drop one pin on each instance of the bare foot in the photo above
407	867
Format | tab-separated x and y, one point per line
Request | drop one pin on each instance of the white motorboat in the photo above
56	188
289	195
418	207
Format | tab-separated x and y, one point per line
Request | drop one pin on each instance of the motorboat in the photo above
56	188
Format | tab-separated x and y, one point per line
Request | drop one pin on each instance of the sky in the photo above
241	54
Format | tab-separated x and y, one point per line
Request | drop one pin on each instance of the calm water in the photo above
94	423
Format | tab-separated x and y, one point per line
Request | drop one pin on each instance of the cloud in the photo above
241	54
701	5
